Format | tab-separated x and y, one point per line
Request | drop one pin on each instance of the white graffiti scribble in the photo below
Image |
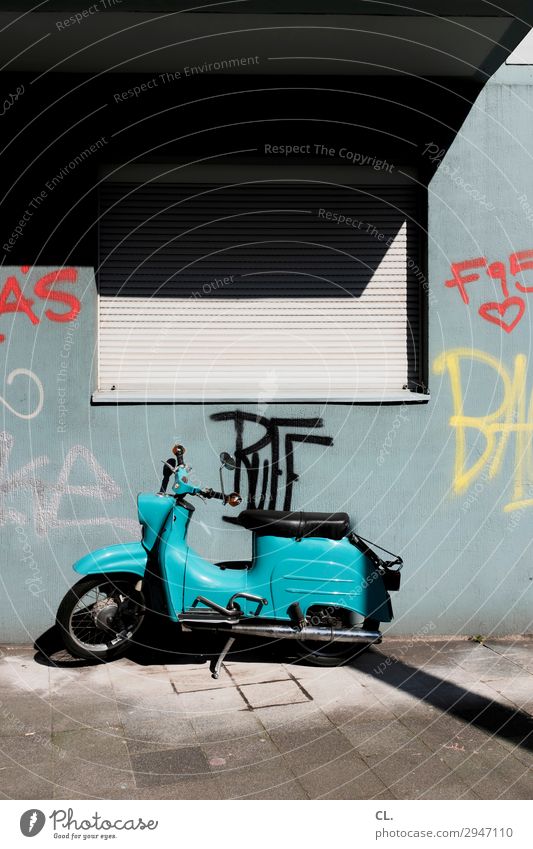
47	497
32	376
24	479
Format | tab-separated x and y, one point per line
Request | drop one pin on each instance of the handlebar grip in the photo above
211	493
233	498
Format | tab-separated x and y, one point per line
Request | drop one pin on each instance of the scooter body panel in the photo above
187	573
206	579
124	557
317	572
173	553
153	512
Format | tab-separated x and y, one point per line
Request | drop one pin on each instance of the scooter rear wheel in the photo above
99	616
329	654
333	653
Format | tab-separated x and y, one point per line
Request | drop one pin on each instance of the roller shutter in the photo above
264	290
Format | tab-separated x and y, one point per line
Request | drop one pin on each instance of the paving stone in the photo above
273	693
518	651
328	766
211	702
256	673
417	772
517	689
226	755
26	767
295	736
88	764
233	726
288	717
336	774
90	678
169	766
198	678
380	737
137	687
192	788
319	752
492	775
304	671
35	752
328	693
23	713
163	724
448	789
340	713
74	713
19	672
24	783
266	780
287	790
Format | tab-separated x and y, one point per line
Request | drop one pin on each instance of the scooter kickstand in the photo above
215	665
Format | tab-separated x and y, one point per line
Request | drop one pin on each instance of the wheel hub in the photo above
104	613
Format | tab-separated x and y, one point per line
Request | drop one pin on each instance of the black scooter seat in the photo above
282	523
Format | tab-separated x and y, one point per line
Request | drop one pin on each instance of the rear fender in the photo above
127	557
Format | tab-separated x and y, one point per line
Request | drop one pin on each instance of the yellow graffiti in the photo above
497	426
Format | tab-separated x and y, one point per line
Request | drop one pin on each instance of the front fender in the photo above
125	557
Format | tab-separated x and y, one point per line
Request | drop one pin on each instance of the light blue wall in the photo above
69	485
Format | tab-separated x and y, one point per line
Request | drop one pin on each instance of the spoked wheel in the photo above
332	653
99	616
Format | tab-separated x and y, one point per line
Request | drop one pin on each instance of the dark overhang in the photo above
456	38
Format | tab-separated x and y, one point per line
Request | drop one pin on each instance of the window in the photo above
258	284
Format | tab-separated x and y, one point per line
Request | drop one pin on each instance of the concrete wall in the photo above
450	495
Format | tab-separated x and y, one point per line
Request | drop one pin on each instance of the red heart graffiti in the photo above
485	311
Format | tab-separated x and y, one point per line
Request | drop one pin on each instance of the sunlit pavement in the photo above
410	719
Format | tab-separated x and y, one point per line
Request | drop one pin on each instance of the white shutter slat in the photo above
272	301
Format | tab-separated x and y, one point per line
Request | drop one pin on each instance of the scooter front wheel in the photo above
99	616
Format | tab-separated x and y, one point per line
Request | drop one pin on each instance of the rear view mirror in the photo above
228	461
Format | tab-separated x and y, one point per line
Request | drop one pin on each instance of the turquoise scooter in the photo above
310	579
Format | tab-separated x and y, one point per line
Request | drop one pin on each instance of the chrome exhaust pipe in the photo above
308	632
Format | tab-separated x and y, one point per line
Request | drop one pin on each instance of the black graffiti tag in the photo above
264	473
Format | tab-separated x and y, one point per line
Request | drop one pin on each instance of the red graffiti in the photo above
13	300
507	313
486	311
517	267
460	282
19	303
43	289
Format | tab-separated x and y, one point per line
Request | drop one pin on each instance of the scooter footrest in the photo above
207	617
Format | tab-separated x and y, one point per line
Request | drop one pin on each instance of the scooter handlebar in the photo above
211	493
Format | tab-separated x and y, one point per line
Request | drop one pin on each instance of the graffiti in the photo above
505	314
513	418
264	474
13	300
48	498
33	377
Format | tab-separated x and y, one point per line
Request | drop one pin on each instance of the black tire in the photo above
120	611
333	654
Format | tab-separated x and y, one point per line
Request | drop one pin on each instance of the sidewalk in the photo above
409	719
